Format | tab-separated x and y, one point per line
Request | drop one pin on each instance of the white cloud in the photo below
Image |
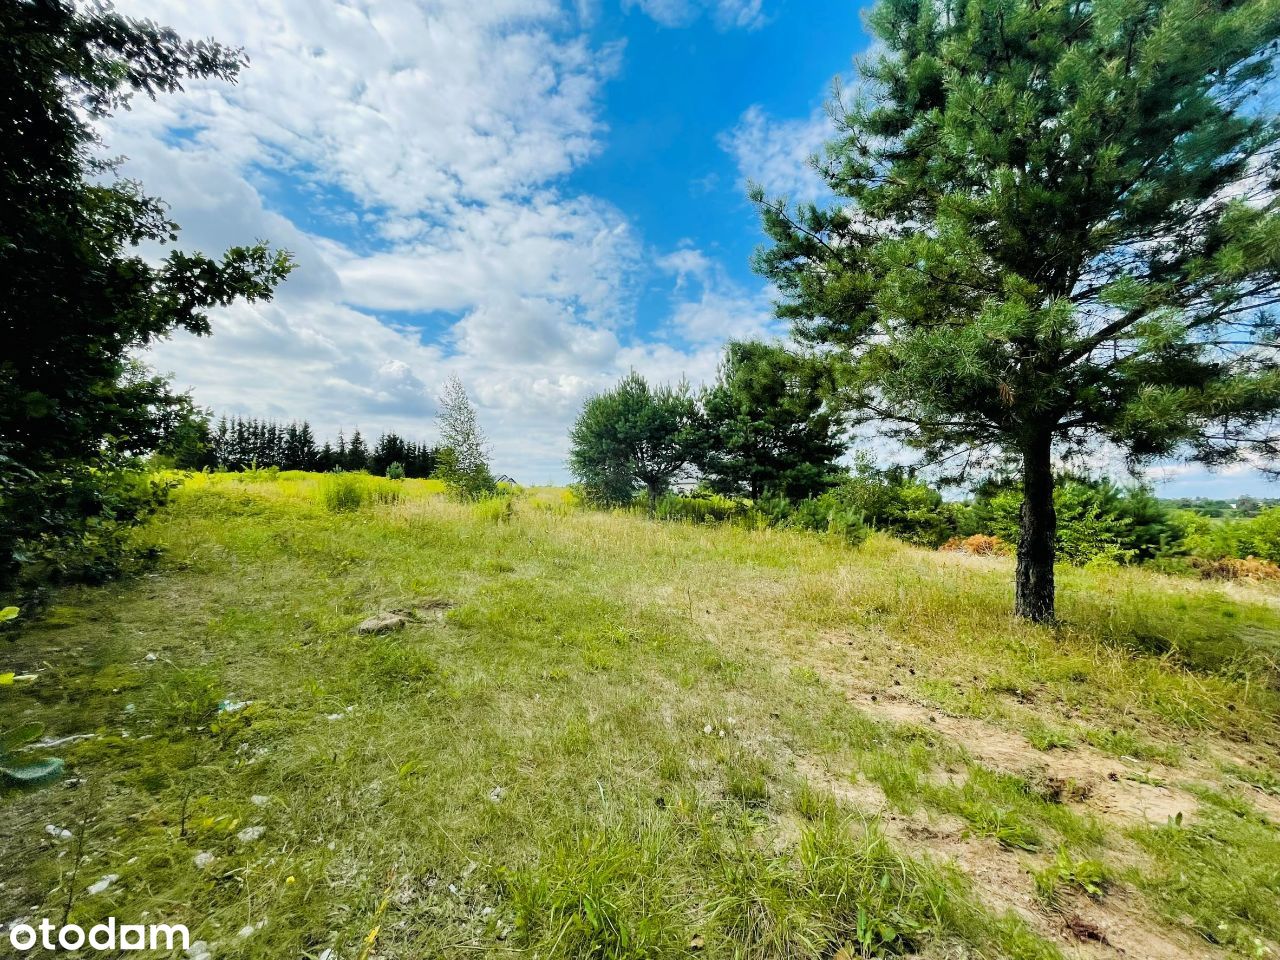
727	14
708	308
777	153
424	141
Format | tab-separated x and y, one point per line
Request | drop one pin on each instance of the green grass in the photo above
584	743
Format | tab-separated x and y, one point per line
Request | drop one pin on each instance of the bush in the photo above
342	492
85	531
708	508
1092	526
893	501
461	482
1262	535
395	471
496	509
824	514
347	492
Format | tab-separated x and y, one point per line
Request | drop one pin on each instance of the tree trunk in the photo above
653	498
1039	528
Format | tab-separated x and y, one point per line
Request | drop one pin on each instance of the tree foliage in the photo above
766	427
1052	224
463	461
79	295
632	438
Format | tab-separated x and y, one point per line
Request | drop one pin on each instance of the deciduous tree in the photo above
79	294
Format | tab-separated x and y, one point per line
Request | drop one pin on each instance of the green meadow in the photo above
587	734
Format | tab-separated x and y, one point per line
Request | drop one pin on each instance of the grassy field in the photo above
599	736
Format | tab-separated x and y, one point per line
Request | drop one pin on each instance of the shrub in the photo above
395	470
694	508
496	509
825	514
897	503
1091	523
1262	535
86	535
463	482
342	492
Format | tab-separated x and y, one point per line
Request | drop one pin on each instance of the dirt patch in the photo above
1081	776
1002	879
1110	928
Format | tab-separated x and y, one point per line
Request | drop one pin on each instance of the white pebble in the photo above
259	800
102	884
58	832
250	834
204	859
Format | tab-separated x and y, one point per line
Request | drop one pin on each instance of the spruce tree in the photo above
1051	225
357	452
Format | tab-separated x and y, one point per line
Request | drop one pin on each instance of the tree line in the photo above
241	444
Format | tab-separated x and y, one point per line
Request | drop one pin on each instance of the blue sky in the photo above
532	195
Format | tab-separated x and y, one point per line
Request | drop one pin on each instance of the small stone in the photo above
102	884
199	951
58	833
258	800
382	623
204	859
152	658
250	834
497	793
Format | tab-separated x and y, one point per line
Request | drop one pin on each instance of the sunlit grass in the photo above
584	742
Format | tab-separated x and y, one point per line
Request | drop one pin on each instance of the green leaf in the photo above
32	774
8	613
16	737
6	679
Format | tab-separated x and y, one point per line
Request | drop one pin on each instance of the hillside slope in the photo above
593	735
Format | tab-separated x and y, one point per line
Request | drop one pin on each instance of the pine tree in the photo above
632	438
766	426
1053	224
